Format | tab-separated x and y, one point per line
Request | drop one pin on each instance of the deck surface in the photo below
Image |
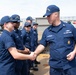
43	67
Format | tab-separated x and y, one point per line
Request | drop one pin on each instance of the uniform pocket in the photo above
68	39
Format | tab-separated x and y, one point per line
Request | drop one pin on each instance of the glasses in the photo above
16	22
28	26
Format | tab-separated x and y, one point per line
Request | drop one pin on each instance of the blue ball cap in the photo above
16	18
29	18
51	9
5	19
27	24
34	23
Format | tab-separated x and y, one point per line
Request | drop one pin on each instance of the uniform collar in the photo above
7	32
16	30
57	28
25	30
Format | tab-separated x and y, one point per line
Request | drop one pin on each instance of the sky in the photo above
36	8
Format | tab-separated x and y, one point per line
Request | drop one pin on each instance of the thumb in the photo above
68	55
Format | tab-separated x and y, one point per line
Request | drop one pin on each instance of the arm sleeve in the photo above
8	41
43	39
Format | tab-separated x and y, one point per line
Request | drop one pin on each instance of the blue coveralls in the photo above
62	40
21	69
7	62
27	43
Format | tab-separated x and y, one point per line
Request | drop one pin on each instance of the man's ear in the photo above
5	25
56	14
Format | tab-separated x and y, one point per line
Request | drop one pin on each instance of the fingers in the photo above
27	49
33	56
69	57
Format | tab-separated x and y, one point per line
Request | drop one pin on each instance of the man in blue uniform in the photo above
27	39
61	37
34	35
8	51
26	35
34	39
29	19
21	66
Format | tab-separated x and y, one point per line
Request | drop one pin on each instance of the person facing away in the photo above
62	37
8	51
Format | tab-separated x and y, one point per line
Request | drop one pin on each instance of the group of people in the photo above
16	46
15	53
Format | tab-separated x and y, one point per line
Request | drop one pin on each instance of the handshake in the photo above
32	56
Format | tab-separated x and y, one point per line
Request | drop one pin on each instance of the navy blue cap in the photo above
27	24
16	18
29	18
5	19
34	23
51	9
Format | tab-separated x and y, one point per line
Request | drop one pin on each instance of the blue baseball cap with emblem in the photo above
29	18
27	24
51	9
16	18
5	19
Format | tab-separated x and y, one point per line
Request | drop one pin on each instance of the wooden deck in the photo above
43	67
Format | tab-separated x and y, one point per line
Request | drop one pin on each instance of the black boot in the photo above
36	62
31	73
35	68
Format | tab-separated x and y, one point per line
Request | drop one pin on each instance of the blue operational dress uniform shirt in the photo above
62	40
7	62
27	43
34	39
17	37
21	65
26	38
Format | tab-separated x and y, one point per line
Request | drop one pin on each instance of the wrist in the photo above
74	52
35	53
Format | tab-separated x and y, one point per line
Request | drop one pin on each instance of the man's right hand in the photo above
32	56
